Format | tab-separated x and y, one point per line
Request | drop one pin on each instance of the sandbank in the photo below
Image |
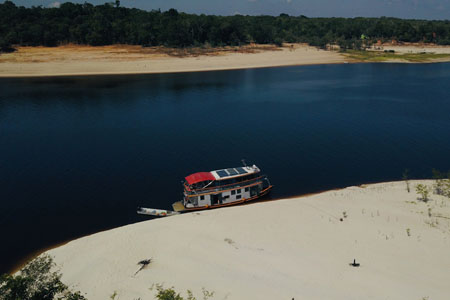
124	59
295	248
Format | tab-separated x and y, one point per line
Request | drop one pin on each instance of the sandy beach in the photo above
123	59
298	248
73	60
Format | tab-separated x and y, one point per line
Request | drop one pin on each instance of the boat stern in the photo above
178	206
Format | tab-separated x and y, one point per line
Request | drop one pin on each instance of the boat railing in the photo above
207	187
225	187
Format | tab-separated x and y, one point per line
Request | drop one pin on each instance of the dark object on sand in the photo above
143	264
354	263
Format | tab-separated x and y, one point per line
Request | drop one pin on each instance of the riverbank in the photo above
397	57
76	60
125	59
295	248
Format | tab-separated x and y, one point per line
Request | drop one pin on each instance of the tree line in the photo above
112	24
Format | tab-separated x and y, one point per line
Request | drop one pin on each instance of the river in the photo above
79	154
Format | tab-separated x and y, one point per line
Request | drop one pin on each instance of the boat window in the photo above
239	191
246	177
233	192
247	189
225	182
202	197
238	197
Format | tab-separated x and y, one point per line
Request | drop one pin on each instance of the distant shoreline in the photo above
76	60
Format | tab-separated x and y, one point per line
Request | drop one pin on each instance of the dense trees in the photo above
110	24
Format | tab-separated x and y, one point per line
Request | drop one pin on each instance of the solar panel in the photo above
240	170
232	171
222	173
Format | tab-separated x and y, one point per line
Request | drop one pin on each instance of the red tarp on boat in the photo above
199	177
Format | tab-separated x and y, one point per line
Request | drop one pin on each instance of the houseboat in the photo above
222	188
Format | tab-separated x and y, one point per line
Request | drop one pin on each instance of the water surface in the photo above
78	154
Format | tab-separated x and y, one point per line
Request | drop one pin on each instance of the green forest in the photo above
112	24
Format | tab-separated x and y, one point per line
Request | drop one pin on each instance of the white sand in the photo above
294	248
84	60
125	59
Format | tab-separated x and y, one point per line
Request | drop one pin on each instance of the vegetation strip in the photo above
378	56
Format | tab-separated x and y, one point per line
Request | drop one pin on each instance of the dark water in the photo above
78	154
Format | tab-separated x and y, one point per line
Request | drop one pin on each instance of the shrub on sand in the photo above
423	191
36	281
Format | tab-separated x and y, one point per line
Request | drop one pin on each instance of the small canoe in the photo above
156	212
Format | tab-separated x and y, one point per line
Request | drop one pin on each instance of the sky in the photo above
410	9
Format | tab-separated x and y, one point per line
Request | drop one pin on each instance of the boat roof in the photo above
221	174
199	177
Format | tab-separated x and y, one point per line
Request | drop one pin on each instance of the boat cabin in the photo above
224	187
